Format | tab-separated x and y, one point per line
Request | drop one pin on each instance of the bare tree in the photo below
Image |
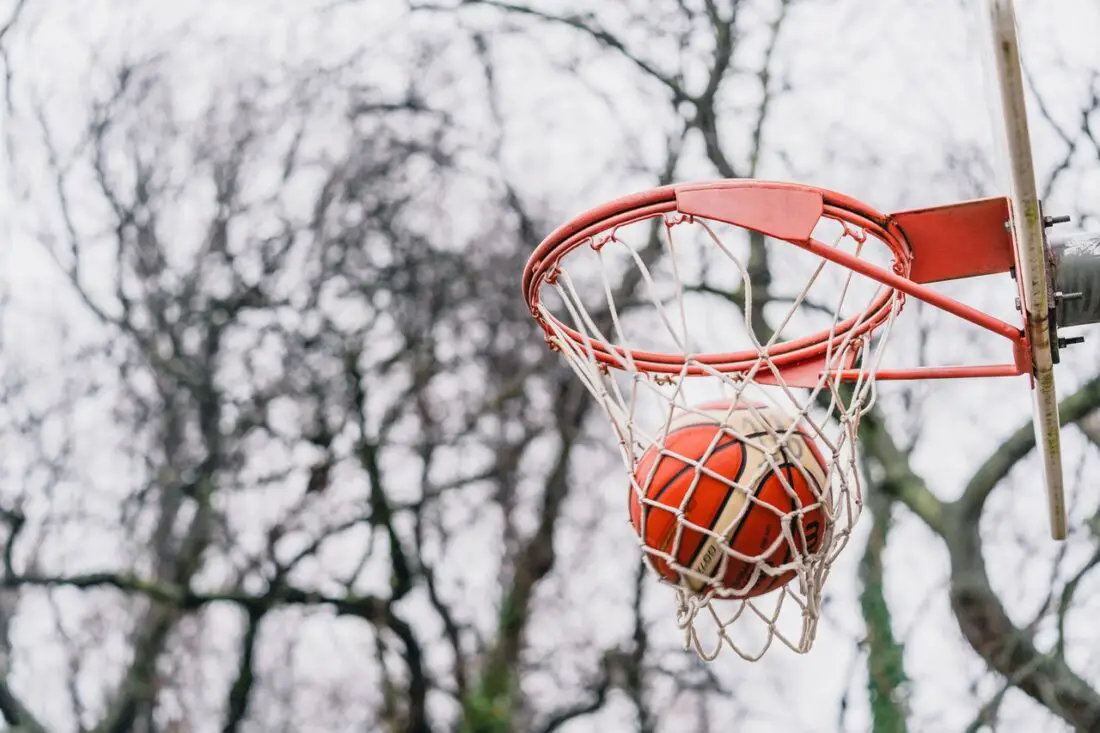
310	334
328	363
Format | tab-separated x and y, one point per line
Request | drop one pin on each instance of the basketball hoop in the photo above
631	294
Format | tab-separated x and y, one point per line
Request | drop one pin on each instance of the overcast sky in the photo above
881	93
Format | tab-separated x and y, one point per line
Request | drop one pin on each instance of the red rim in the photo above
772	208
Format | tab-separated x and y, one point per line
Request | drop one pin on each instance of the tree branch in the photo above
239	693
1008	650
585	25
767	94
1069	590
996	467
371	608
635	675
12	19
6	28
1090	427
899	480
15	713
599	688
706	112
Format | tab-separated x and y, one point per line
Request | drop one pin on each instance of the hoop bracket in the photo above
958	240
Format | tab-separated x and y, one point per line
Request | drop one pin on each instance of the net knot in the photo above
858	234
688	606
598	243
554	273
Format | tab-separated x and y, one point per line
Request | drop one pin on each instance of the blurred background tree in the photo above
284	451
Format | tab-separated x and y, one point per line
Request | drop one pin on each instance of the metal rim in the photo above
544	262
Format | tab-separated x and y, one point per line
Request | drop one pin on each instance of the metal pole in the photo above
1077	278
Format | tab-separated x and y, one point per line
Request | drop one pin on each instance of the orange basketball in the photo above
751	527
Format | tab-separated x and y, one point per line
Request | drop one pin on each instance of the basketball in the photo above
726	463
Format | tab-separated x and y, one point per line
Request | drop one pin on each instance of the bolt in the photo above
1069	297
1064	342
1049	221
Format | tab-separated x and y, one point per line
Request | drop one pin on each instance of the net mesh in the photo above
638	311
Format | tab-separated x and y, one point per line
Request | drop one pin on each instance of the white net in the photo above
745	483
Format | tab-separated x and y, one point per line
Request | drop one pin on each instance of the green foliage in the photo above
488	707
